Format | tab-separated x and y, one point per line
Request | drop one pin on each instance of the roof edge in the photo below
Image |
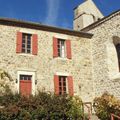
38	26
99	22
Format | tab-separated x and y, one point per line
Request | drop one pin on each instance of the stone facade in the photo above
94	63
106	75
43	65
105	68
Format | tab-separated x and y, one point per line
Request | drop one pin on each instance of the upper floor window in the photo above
61	48
27	43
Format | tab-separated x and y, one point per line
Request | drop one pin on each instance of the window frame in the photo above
63	85
28	38
25	77
61	48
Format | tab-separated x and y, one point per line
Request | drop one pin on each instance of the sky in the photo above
57	13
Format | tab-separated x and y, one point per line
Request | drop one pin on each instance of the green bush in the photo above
42	106
105	105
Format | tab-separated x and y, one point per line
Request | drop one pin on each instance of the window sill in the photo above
25	54
61	58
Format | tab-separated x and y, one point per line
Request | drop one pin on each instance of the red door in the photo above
25	85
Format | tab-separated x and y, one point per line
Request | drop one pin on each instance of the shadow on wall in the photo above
116	41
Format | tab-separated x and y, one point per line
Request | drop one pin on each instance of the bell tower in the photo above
86	14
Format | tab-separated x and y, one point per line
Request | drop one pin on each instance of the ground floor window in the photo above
63	85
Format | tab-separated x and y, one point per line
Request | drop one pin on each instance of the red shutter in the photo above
70	85
68	49
55	47
34	44
56	84
19	42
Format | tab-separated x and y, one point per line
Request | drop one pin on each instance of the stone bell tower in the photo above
86	14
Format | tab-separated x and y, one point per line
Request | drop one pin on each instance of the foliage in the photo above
4	74
43	106
105	105
5	80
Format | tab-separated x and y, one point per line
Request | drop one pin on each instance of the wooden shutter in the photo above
56	84
70	85
55	47
34	44
68	49
19	42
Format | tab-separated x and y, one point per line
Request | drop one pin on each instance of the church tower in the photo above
86	14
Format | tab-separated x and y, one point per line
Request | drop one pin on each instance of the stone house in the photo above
83	61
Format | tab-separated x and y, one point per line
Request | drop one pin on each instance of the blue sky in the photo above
51	12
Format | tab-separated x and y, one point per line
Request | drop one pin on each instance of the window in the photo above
62	85
61	48
26	43
25	77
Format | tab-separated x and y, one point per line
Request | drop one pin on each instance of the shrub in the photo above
105	105
5	81
42	106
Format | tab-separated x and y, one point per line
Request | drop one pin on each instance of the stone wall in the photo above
106	73
44	65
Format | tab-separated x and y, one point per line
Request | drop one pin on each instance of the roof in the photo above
38	26
101	21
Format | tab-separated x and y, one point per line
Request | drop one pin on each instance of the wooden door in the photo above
25	85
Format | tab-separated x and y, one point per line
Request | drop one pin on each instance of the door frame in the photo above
26	73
